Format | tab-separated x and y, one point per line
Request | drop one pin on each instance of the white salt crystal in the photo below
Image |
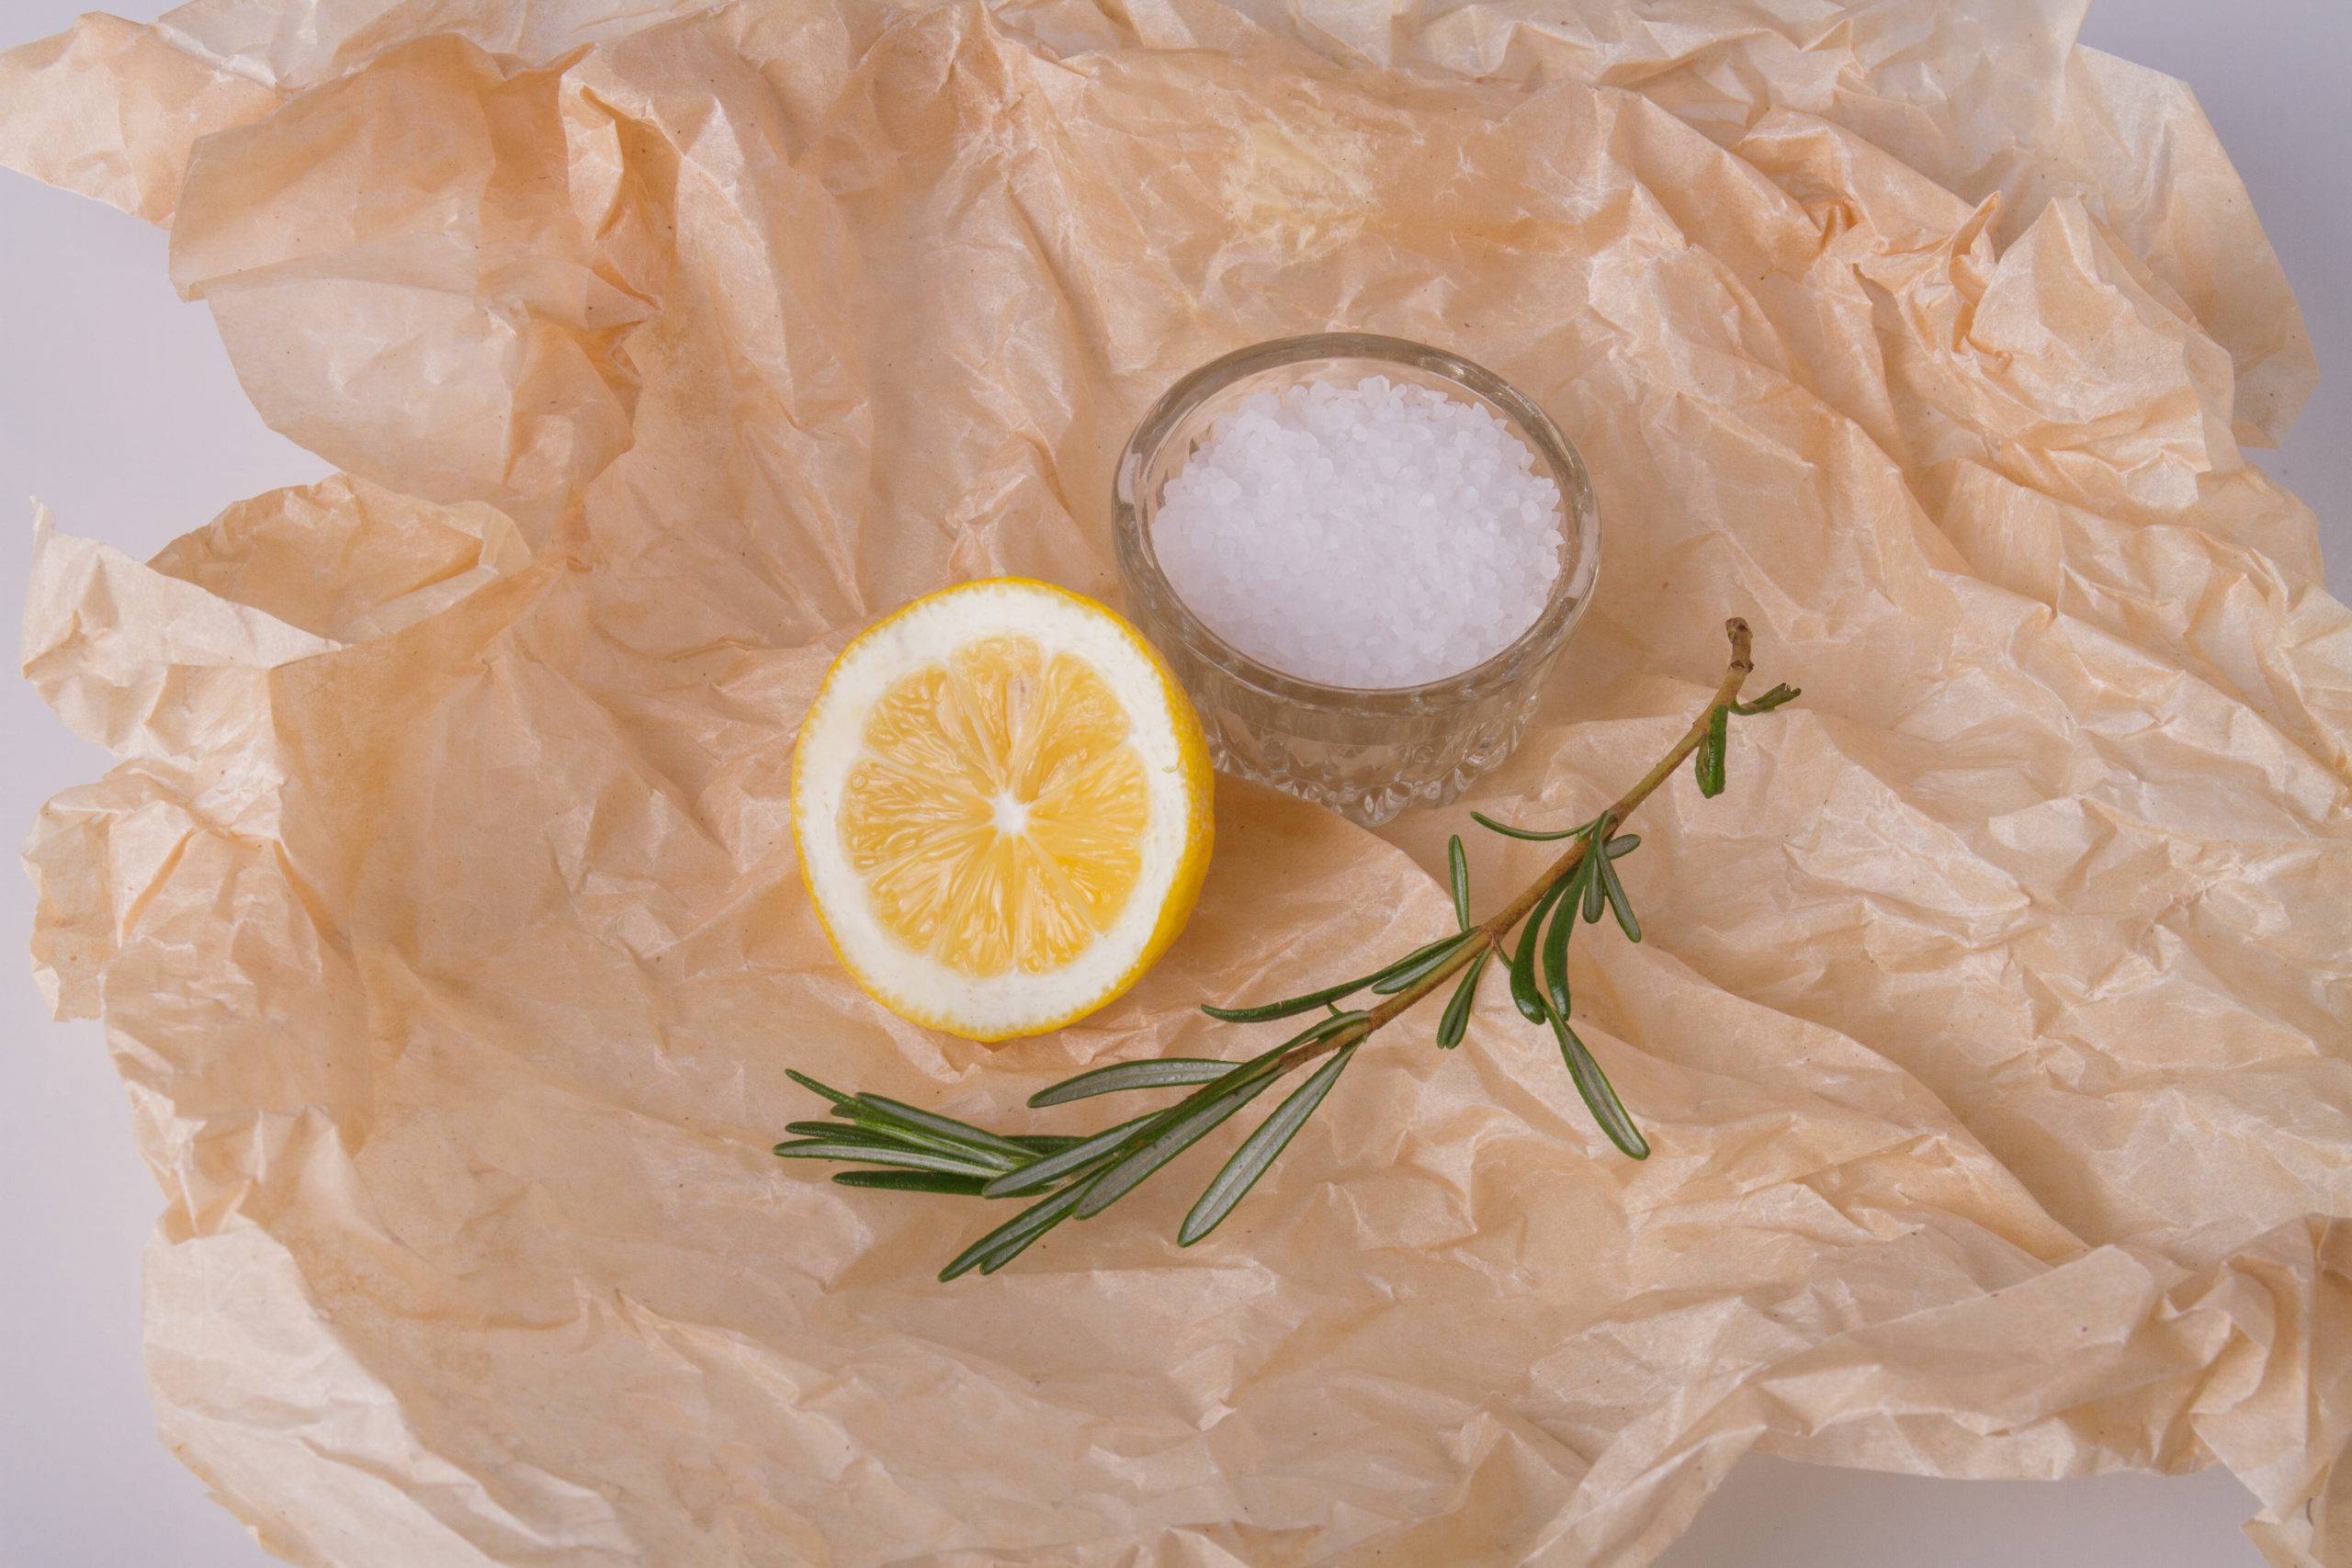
1379	535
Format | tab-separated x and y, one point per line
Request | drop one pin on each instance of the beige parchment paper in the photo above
1992	1029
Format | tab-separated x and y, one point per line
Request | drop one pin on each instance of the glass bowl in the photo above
1368	753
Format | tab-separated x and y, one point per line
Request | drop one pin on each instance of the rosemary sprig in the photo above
904	1148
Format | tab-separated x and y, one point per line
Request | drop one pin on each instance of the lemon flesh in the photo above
1001	801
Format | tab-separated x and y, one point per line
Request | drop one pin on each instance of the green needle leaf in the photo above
1267	1011
1457	864
1619	903
1523	994
1624	845
1086	1153
1770	700
1555	943
1590	867
862	1119
846	1131
1208	1104
1320	1029
1260	1149
937	1125
1159	1072
813	1087
1005	1243
1017	1244
1414	965
880	1154
1451	1027
1121	1178
1045	1142
1599	1097
1530	834
1081	1153
889	1117
1711	753
911	1181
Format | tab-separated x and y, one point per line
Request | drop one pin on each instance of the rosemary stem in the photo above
1497	926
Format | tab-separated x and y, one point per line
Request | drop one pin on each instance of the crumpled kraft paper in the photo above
1991	1030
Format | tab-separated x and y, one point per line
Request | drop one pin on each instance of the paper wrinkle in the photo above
143	664
1989	1031
112	110
356	561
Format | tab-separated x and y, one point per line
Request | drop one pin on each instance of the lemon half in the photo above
1001	802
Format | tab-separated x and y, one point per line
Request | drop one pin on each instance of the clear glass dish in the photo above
1368	753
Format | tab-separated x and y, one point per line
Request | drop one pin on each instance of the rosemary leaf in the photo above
1623	844
1322	1028
879	1154
813	1087
1045	1142
1595	864
1457	1020
1159	1072
1621	906
1006	1242
1265	1012
1600	1097
1591	868
1077	1155
1523	994
860	1119
1418	964
1556	940
1052	1214
1530	834
875	1115
1457	866
1770	700
845	1132
913	1181
941	1126
1260	1149
1118	1141
1711	753
1122	1177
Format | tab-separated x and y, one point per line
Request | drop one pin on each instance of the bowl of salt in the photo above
1360	554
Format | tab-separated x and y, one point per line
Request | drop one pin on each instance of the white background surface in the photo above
118	407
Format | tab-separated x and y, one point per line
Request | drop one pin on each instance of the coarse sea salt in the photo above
1377	535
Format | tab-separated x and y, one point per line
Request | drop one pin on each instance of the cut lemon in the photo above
1001	798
